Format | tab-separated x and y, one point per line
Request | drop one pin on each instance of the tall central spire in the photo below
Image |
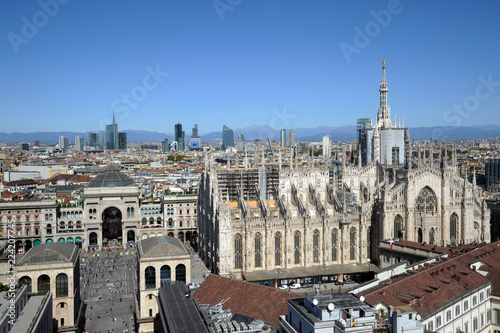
384	112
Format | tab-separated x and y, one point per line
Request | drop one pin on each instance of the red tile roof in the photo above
428	289
245	298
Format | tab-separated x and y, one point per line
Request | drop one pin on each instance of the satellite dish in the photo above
331	306
315	301
419	317
362	298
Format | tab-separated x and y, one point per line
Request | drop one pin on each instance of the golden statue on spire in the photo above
383	64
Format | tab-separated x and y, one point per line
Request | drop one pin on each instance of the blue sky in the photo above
284	63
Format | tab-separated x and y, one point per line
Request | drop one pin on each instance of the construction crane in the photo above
270	146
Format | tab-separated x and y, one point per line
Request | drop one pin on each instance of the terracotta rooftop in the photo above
245	298
437	284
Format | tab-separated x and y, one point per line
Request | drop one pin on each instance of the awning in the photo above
302	272
61	240
70	240
37	242
49	241
78	240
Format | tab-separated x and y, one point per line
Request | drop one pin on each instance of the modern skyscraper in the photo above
227	137
122	140
63	143
178	134
165	146
24	146
79	143
195	131
112	134
195	141
283	138
96	140
492	172
291	138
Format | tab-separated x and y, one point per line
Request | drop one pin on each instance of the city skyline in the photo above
300	66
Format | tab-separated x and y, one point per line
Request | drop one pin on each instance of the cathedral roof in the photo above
111	177
51	253
161	246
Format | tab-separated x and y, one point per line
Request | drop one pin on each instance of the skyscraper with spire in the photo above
112	134
382	142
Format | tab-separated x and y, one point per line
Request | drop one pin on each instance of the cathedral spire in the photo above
384	113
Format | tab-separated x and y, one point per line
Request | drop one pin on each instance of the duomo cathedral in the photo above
263	221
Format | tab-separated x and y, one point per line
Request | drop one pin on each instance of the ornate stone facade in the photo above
256	223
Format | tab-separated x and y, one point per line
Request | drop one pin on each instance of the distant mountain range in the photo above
253	132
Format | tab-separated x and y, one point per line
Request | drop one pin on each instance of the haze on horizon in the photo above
67	64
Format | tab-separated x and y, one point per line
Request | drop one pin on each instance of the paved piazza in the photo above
109	284
109	276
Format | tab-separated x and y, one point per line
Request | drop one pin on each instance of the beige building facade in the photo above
162	261
56	268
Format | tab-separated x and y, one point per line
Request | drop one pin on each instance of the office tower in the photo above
63	143
327	147
492	172
195	131
93	139
291	138
37	143
182	141
122	140
79	143
195	141
178	134
240	144
24	146
227	137
112	134
165	146
283	138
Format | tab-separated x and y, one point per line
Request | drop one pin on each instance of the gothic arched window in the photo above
237	252
398	227
426	202
334	245
352	237
296	247
258	250
453	229
277	249
316	246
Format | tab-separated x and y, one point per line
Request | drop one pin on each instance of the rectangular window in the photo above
438	321
448	315
457	310
466	306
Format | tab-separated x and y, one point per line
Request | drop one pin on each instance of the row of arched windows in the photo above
71	215
43	284
165	276
154	210
398	230
297	248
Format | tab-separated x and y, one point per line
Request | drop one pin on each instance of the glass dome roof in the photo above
111	177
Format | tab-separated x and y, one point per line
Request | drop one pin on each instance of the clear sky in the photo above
64	65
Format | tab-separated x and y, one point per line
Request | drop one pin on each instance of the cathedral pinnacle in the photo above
383	114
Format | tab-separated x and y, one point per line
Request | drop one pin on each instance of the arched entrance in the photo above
111	224
93	238
131	236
